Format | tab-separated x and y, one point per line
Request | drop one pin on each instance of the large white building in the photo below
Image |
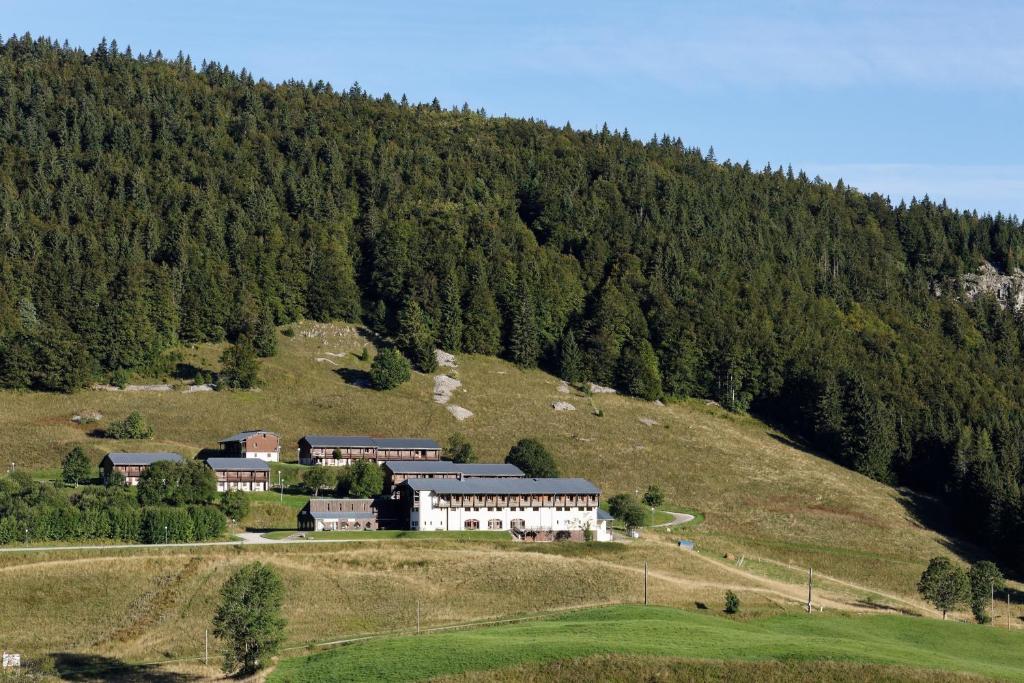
533	509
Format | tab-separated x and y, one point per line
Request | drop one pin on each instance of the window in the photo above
472	524
518	524
494	524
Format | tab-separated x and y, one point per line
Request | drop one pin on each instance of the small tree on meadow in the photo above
389	369
459	449
626	508
249	619
132	427
75	466
653	497
532	458
732	602
985	578
316	478
944	585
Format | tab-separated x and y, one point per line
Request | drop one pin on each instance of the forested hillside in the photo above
146	202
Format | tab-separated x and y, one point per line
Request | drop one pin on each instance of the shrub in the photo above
732	602
459	449
234	504
207	522
166	524
132	427
985	578
361	479
239	366
653	497
119	378
288	332
532	458
390	369
75	466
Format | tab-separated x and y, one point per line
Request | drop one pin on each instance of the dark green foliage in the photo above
638	373
389	369
249	619
234	504
145	203
653	497
459	449
361	479
944	584
318	477
570	360
415	339
626	508
985	578
732	602
532	458
240	366
177	483
75	467
131	427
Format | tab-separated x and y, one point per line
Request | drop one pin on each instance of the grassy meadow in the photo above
664	632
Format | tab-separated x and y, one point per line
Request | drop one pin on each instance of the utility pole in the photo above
645	583
280	487
810	588
206	654
417	617
1007	610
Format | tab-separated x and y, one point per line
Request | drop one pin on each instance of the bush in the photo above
653	497
627	508
177	483
459	449
75	467
288	332
207	522
532	458
166	524
132	427
732	603
240	368
119	378
361	479
234	504
390	369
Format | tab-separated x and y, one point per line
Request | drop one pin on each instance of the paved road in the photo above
677	518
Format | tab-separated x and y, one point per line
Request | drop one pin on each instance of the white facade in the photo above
427	517
241	486
265	456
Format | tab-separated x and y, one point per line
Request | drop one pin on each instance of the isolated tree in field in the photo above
249	619
132	427
361	479
626	508
532	458
240	368
389	369
985	578
234	504
75	466
459	449
653	497
316	478
732	602
944	585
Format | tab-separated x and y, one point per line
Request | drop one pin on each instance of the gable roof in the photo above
509	486
242	436
238	464
141	459
321	441
447	467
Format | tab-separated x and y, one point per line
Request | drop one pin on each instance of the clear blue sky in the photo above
905	98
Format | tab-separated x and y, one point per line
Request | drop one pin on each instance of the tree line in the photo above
147	202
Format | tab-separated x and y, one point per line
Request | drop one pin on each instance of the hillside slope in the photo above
763	496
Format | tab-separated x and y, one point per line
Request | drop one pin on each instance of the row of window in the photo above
495	524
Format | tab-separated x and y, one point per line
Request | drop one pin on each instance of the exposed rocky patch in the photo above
1008	289
444	387
445	359
648	421
563	388
133	387
459	413
598	389
563	406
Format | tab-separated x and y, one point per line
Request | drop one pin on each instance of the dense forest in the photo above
146	202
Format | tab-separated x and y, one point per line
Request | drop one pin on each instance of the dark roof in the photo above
604	514
238	464
318	441
141	458
447	467
428	444
511	486
242	436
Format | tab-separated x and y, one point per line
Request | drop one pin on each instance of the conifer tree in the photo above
524	346
570	362
637	372
450	332
415	339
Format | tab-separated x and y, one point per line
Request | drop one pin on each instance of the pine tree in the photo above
570	361
638	373
481	332
524	346
869	436
240	367
450	332
415	339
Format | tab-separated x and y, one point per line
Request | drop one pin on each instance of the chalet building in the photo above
344	450
255	443
398	471
132	465
240	474
337	514
532	509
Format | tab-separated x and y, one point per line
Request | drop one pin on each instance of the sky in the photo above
903	98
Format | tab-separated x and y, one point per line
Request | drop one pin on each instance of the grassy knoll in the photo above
664	632
762	495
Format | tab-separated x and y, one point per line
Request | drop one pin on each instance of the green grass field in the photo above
664	632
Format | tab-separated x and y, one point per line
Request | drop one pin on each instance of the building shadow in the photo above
86	668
